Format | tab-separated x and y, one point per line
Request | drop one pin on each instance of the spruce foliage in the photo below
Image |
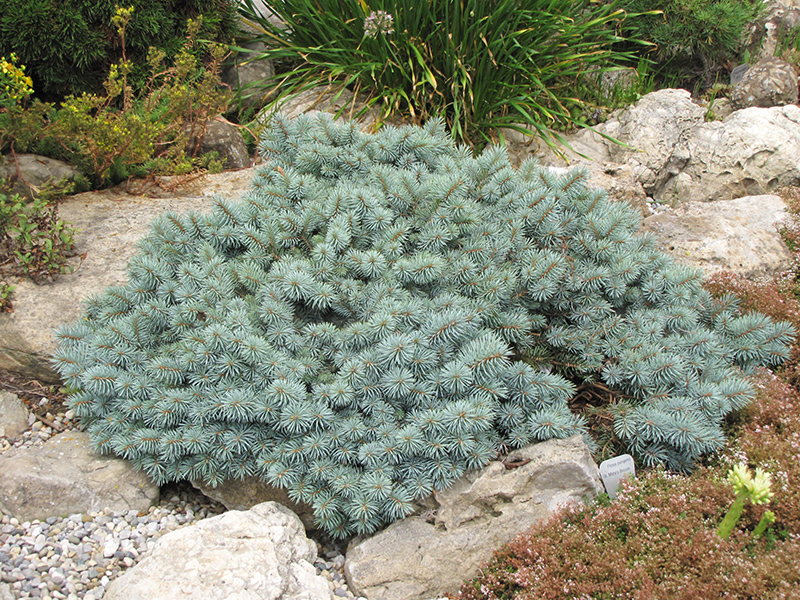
382	313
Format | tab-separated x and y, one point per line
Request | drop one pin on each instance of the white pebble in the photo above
110	547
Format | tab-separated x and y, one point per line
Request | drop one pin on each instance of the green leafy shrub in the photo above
383	312
481	64
70	45
692	39
15	85
34	241
123	133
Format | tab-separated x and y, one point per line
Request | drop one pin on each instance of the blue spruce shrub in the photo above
382	313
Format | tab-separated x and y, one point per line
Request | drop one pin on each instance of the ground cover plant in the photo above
481	65
659	538
34	241
384	312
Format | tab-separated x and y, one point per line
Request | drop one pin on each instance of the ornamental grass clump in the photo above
479	64
382	313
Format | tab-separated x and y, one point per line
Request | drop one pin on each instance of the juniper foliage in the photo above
382	313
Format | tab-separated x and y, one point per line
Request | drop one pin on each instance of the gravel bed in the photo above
76	557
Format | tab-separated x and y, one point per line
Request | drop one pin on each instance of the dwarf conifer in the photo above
382	312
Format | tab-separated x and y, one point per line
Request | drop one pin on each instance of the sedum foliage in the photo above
382	313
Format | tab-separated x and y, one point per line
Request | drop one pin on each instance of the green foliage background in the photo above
68	46
477	64
693	40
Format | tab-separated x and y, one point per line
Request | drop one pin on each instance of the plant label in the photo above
614	470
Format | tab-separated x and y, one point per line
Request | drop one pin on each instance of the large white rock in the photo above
427	556
679	157
753	151
738	235
260	554
64	476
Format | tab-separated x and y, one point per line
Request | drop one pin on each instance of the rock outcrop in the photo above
426	556
261	554
64	476
738	235
770	82
679	157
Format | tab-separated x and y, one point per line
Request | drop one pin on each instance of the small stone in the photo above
110	547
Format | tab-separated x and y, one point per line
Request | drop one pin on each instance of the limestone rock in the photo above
108	224
752	152
31	172
777	21
64	476
226	140
654	131
13	415
419	558
678	157
244	494
770	82
261	554
734	235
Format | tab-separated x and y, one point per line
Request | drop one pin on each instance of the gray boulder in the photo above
246	71
261	554
770	82
108	224
31	172
738	235
429	555
64	476
226	140
13	415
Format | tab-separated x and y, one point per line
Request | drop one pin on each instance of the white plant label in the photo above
614	470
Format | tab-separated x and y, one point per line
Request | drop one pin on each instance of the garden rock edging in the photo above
425	556
64	476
